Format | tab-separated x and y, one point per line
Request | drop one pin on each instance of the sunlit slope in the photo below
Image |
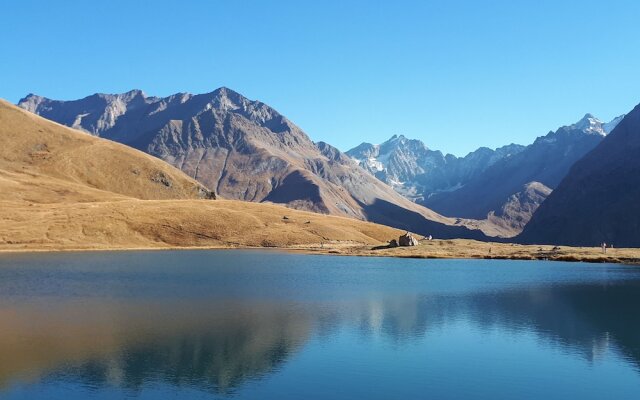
64	189
32	147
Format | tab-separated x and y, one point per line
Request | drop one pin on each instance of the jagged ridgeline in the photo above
504	186
244	149
599	199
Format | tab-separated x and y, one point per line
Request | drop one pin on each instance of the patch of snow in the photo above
373	163
393	182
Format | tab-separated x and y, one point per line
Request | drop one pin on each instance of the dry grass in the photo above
44	162
462	248
175	223
61	189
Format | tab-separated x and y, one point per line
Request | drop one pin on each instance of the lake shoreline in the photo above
436	249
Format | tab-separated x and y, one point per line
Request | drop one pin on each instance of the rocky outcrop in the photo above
407	240
516	212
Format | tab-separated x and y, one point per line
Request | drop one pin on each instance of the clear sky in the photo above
456	74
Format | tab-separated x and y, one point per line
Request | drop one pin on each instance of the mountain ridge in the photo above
597	201
246	150
61	189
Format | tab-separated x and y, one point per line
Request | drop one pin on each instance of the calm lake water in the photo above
268	325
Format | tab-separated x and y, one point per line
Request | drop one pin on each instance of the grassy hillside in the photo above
64	189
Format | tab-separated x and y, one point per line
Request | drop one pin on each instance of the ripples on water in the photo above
249	324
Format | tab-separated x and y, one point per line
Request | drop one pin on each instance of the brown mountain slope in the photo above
246	150
63	189
47	151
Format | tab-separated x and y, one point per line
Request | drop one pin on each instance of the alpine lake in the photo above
249	324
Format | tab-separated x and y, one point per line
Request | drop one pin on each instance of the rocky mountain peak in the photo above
135	93
589	124
228	99
30	96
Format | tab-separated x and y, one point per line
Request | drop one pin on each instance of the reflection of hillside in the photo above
583	318
127	345
586	318
219	347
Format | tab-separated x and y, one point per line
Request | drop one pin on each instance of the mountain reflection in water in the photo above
218	343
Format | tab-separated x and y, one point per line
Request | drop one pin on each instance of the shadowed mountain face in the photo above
599	200
243	150
545	162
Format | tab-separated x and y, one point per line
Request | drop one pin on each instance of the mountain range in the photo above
599	199
504	186
246	150
418	172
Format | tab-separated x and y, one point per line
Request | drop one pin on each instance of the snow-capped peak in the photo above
589	124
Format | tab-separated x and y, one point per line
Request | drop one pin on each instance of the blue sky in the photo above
456	74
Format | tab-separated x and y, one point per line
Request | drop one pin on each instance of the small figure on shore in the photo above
489	250
429	238
604	247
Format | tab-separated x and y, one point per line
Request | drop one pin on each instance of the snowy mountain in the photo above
505	185
416	171
546	161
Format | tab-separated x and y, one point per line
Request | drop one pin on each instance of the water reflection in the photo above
124	344
218	344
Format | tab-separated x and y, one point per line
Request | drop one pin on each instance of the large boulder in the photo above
407	240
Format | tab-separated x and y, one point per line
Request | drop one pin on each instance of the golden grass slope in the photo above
63	189
177	223
44	157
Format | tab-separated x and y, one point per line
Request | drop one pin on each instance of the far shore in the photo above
435	249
